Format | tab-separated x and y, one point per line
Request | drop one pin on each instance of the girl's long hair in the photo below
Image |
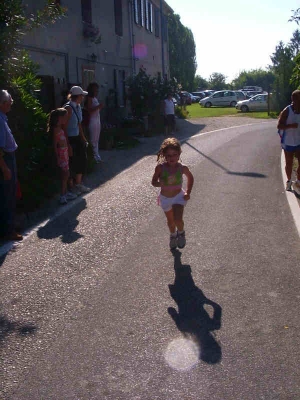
169	143
53	119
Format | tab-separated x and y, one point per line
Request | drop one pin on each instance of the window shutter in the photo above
136	11
151	17
147	14
142	12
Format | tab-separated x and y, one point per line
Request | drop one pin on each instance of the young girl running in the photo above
168	175
58	118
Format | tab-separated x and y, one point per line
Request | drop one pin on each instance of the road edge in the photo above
293	202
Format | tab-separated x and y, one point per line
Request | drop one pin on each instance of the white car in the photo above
221	98
256	103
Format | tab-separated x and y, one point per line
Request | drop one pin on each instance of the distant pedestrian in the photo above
289	130
8	172
93	108
168	175
169	112
77	140
56	121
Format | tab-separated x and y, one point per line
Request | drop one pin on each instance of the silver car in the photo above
221	98
256	103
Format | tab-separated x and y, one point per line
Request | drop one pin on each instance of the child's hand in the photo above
186	196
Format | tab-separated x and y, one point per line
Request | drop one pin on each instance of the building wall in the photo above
69	58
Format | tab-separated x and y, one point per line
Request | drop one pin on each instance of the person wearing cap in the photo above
77	140
8	172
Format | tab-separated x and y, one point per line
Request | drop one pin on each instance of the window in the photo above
148	14
118	17
86	11
139	10
119	86
88	76
156	21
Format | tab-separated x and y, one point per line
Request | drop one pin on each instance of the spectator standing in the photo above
8	172
93	107
77	140
169	115
289	130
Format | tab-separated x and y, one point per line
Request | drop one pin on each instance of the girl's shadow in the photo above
192	317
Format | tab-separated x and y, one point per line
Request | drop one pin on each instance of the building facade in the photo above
98	40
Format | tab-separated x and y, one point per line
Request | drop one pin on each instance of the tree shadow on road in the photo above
249	174
193	318
64	225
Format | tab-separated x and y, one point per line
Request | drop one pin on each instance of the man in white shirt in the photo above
169	112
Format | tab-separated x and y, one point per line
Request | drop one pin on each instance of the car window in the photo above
221	94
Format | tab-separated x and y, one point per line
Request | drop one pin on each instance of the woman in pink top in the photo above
93	107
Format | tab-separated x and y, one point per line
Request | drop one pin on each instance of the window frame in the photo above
118	12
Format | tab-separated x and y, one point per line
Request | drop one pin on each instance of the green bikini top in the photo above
171	181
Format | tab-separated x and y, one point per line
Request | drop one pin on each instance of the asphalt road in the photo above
95	306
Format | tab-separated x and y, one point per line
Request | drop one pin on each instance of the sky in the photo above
236	35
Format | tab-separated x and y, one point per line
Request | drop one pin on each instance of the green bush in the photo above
181	112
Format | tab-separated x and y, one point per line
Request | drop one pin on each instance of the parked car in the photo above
257	89
202	94
194	98
241	95
256	103
186	97
221	98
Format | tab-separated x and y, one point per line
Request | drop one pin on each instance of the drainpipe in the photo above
131	35
162	39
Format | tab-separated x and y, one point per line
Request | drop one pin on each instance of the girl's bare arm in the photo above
190	181
156	177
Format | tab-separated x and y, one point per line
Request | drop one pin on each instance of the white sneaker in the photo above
296	187
82	188
71	196
63	200
288	185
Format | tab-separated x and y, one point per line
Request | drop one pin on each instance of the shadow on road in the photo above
249	174
63	226
192	317
8	327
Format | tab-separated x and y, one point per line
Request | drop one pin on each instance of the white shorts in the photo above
166	203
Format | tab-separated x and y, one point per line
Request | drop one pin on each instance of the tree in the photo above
200	83
296	16
282	67
18	75
182	52
217	81
294	43
255	77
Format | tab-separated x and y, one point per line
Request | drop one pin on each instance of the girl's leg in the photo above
178	216
171	221
289	157
64	181
297	154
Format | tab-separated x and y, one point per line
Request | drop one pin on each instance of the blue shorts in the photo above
290	148
166	203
